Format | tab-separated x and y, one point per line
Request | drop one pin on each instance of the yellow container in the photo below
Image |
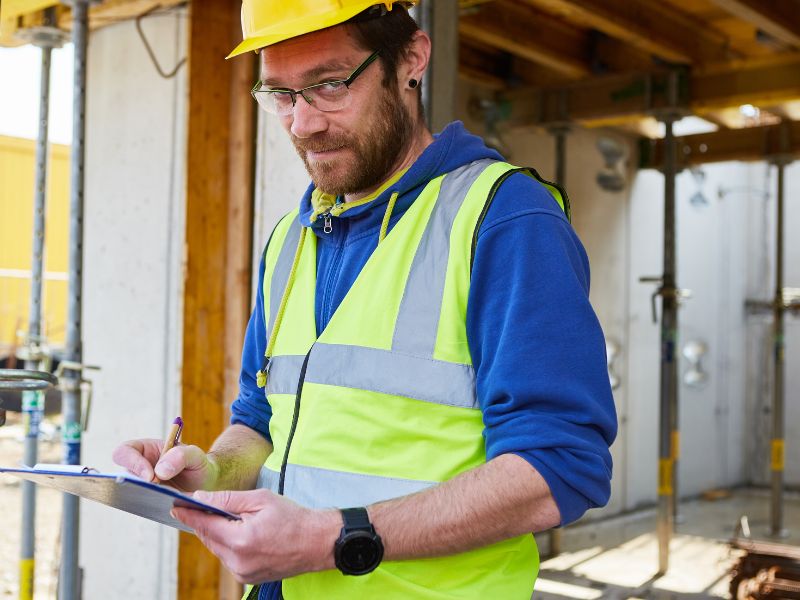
17	175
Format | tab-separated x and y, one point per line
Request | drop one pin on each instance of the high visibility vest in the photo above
383	403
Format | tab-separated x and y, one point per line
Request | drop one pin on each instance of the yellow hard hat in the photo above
267	22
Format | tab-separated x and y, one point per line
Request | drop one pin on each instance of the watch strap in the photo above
355	519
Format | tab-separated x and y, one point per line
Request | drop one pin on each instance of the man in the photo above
424	335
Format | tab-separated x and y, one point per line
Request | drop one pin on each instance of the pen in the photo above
173	437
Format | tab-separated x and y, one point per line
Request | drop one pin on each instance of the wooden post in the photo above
219	187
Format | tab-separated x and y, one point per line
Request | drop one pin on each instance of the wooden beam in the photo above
634	96
647	25
242	120
606	18
526	34
758	82
109	12
753	144
219	186
487	69
778	18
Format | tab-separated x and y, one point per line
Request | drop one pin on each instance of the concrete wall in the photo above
761	283
725	256
132	292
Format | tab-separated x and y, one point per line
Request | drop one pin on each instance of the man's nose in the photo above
307	120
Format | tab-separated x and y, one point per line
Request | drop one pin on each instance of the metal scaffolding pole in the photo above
47	36
69	580
559	132
33	401
777	462
668	429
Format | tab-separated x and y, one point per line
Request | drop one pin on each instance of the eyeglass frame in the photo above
295	93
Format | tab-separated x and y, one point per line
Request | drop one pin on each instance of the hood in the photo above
452	148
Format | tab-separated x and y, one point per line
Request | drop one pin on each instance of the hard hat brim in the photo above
300	27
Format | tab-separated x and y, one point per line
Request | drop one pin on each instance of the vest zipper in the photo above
295	416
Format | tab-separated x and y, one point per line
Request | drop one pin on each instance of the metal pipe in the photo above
777	462
668	430
33	401
69	580
560	134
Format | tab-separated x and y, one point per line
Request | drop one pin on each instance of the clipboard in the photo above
118	490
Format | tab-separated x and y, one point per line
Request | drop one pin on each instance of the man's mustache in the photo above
321	143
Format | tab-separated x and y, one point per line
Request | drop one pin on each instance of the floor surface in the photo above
618	558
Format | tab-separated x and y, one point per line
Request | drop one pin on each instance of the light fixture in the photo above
698	199
610	177
694	351
612	352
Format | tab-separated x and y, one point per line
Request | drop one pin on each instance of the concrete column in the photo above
440	20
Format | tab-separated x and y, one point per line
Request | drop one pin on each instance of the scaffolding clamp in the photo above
26	380
44	36
78	385
676	294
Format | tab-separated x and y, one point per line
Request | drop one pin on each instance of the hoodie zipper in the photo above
327	228
295	417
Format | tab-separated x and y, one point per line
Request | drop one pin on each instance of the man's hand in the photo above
275	539
186	468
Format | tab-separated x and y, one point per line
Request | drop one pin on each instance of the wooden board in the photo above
219	181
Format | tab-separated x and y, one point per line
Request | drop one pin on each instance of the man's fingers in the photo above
179	459
209	528
132	456
169	465
236	502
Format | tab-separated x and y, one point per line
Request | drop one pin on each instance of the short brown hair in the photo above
391	32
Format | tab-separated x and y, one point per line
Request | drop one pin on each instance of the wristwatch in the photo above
359	549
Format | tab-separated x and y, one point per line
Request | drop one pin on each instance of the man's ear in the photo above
415	59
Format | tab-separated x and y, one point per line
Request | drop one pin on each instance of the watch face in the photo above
360	553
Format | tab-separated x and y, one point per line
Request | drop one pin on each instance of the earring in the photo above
413	84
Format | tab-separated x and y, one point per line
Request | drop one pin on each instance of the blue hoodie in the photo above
536	345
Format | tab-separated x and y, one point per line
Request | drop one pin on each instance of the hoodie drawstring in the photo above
387	216
261	377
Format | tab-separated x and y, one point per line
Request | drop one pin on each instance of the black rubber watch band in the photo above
355	518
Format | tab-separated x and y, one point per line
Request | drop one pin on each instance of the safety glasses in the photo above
327	96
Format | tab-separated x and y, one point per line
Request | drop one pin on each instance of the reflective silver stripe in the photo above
268	479
393	373
418	317
283	267
323	488
284	374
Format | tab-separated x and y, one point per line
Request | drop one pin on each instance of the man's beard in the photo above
377	149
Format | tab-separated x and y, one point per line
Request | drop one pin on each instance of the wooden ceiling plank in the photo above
752	144
647	25
114	11
758	85
480	67
778	18
517	30
607	18
636	95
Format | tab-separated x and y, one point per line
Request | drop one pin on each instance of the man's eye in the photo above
282	97
331	86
